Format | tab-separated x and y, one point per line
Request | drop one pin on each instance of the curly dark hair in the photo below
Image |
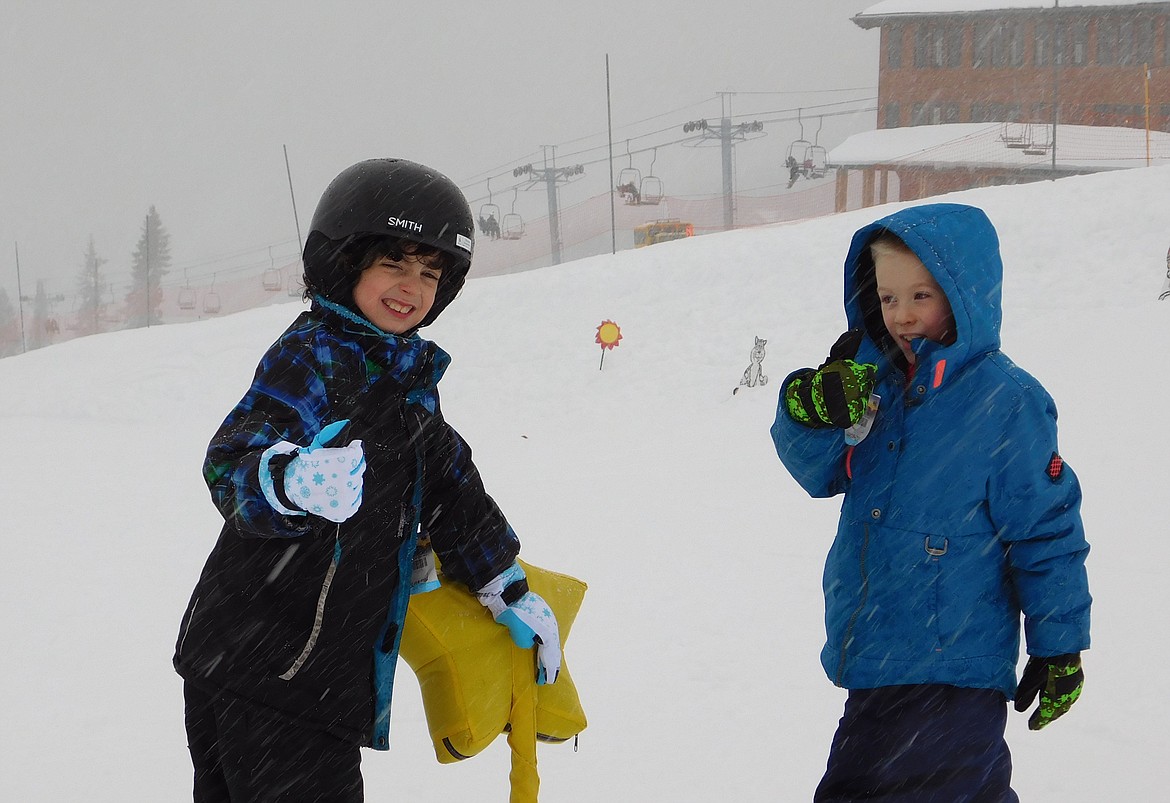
336	266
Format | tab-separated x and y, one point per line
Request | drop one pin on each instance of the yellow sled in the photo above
476	683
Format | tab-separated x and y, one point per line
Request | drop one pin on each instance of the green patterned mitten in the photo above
1058	682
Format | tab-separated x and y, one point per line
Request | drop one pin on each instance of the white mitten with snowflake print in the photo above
324	481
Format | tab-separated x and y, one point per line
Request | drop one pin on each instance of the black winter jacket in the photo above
303	615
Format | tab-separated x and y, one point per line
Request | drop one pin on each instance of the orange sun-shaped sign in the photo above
608	334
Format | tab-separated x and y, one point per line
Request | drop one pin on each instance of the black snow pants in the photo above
242	753
920	744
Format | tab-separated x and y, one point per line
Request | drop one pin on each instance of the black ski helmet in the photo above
394	198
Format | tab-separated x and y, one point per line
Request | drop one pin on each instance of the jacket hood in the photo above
960	248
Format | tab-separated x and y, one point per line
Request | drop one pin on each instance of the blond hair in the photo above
888	243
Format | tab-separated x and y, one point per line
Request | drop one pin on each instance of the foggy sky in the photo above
108	108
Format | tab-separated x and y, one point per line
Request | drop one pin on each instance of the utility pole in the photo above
550	176
1057	55
20	300
727	134
613	192
296	220
147	235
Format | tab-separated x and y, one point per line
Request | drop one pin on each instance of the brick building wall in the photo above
1009	65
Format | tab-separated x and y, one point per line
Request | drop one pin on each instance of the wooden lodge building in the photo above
1004	79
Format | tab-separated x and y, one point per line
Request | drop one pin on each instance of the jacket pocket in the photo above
977	614
319	616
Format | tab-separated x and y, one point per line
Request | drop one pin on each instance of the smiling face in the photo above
913	304
395	294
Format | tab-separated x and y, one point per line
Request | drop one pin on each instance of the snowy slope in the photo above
696	650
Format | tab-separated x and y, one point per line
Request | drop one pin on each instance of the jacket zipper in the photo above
187	629
860	605
319	618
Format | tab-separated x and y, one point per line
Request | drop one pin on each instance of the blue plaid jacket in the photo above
298	613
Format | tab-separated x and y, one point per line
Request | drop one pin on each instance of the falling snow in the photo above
696	650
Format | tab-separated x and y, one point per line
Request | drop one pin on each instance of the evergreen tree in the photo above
90	285
149	265
10	342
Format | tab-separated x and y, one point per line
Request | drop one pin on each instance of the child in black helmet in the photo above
330	472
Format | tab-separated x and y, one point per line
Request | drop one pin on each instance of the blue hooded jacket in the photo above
959	514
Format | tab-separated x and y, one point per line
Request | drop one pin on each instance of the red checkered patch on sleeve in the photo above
1055	467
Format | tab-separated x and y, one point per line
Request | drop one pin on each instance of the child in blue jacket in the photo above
959	516
336	476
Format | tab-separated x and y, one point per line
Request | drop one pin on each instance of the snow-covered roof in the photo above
986	145
894	7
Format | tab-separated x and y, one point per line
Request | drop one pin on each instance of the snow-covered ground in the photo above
696	650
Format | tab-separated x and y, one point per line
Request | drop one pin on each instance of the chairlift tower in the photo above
727	135
551	176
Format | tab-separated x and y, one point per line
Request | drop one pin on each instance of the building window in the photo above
934	113
894	46
1143	40
1107	36
1015	44
1042	54
981	45
992	113
1125	41
1079	32
954	48
938	46
997	43
893	115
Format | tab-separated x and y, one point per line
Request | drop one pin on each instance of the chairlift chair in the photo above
488	210
651	190
211	299
271	280
489	216
512	227
816	158
186	297
1038	146
1017	135
798	149
629	184
794	162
